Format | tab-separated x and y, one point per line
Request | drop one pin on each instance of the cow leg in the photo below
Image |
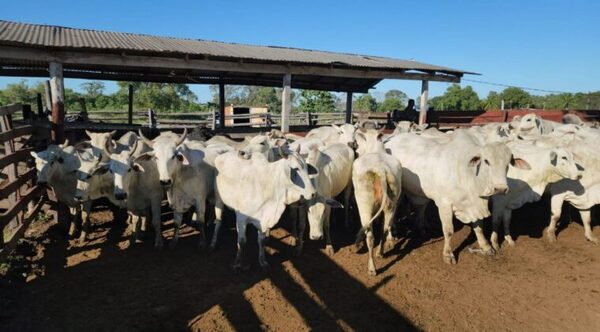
370	244
85	221
327	231
177	218
292	212
386	232
218	221
262	257
556	203
445	213
135	225
484	246
421	221
506	217
73	214
300	231
158	238
347	216
201	223
497	213
586	219
240	225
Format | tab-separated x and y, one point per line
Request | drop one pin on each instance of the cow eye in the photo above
486	162
564	158
129	170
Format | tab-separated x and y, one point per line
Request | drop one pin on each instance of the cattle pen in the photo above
49	281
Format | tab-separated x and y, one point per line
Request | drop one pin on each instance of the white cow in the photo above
459	175
583	193
258	191
137	184
545	166
57	167
377	180
334	164
334	134
186	171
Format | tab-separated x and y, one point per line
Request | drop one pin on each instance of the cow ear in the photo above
145	156
519	163
579	167
553	158
475	161
360	137
338	129
312	170
89	133
99	170
138	168
183	159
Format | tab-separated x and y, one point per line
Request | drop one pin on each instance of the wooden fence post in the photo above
213	124
57	132
40	105
151	118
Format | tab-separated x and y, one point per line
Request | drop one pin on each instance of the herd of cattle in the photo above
464	172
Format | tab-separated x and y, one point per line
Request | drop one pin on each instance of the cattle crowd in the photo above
470	174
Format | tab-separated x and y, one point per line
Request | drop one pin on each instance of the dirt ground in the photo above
52	284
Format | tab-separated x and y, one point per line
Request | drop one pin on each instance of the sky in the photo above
548	45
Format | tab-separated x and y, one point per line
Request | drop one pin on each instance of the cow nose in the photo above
316	237
165	182
502	190
121	196
313	195
42	183
579	177
78	198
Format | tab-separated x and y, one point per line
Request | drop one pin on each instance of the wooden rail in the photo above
21	197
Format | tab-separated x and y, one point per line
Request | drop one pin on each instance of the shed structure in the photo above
33	50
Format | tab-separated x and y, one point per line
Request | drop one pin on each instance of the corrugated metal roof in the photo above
34	35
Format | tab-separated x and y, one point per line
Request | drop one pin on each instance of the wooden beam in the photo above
286	103
424	96
130	104
348	107
93	60
47	94
57	134
221	105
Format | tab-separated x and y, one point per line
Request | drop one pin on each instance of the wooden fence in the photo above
20	196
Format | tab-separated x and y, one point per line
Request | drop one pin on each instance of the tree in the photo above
515	97
316	101
457	99
492	101
365	103
394	99
158	96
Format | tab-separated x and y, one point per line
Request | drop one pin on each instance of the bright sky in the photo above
549	45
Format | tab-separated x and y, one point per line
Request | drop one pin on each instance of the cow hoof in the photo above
489	252
293	241
551	237
593	239
509	241
329	250
372	273
450	259
496	246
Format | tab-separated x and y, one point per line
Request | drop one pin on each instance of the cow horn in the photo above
146	140
133	147
182	137
65	144
112	133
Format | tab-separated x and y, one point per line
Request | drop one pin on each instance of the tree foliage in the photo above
457	99
316	101
515	98
394	100
365	103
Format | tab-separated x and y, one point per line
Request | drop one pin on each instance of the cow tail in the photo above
381	173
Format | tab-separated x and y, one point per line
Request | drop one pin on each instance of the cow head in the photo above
346	132
530	125
123	167
102	144
90	165
563	164
490	166
257	144
48	161
298	174
369	141
168	154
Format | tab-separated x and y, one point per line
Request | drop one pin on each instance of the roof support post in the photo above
423	108
57	87
348	107
221	105
130	106
286	103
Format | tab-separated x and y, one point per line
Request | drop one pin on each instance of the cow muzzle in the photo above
166	183
121	196
501	190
